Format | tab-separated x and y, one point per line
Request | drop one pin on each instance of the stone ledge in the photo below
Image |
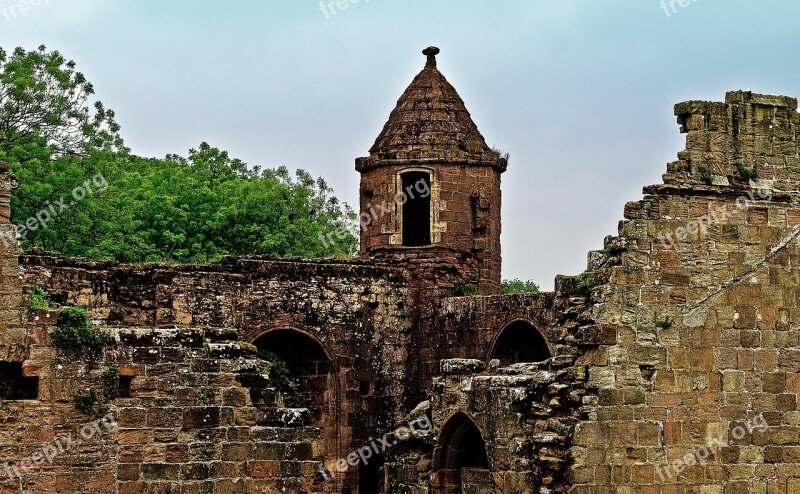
749	97
461	367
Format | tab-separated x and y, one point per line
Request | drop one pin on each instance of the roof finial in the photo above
431	53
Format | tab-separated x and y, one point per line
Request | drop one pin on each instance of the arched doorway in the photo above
309	366
460	462
520	342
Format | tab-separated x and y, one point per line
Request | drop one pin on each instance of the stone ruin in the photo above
669	367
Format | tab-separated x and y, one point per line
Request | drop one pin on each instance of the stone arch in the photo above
460	459
311	364
520	341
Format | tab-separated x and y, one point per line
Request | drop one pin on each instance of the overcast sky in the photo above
579	92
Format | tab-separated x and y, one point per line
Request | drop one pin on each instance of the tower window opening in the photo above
416	208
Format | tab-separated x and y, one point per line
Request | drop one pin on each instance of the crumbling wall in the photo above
197	414
12	336
467	327
359	314
674	365
525	414
698	392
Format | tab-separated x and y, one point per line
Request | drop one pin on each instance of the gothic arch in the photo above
460	448
520	341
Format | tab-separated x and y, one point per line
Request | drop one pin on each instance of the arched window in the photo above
415	200
460	462
520	342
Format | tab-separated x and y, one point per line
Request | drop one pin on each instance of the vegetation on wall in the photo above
747	173
584	284
40	299
705	175
76	337
89	403
279	373
462	290
503	155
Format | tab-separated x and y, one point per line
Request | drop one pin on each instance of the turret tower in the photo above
430	187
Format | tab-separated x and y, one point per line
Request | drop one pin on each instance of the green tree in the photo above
45	102
518	286
194	208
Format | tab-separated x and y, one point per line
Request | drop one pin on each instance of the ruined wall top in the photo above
749	141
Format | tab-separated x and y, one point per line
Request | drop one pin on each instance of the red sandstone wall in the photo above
466	204
192	423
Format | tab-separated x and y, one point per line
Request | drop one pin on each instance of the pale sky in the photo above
579	92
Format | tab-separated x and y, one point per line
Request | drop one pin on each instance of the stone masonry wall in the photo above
525	414
674	370
465	220
467	327
200	417
705	309
12	336
358	313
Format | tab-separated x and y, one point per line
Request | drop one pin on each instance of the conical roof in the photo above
430	123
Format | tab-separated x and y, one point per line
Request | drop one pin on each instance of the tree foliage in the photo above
43	100
518	286
185	209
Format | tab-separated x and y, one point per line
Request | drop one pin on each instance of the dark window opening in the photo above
478	227
416	208
370	476
364	388
15	386
520	342
124	390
